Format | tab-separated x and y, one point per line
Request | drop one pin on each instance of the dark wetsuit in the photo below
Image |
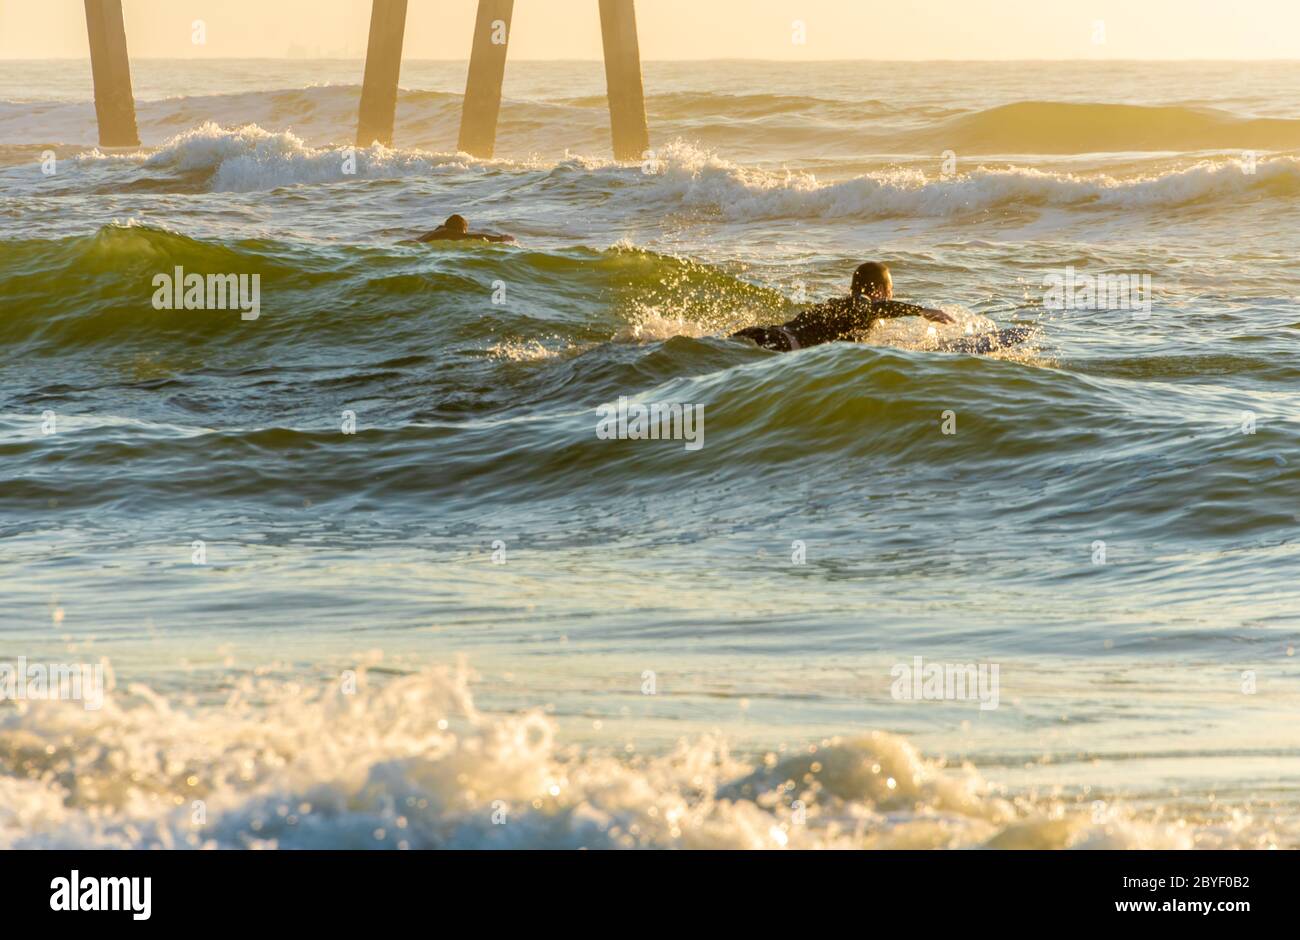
828	322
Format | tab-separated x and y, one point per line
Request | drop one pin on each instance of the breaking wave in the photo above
411	763
699	180
693	180
248	159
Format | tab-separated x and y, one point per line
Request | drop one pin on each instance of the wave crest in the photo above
698	180
248	159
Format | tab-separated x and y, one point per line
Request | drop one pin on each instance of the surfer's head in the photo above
456	224
872	281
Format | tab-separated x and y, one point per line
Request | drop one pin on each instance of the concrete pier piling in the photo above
383	69
627	114
111	67
115	102
487	70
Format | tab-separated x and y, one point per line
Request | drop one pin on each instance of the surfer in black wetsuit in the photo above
842	318
456	229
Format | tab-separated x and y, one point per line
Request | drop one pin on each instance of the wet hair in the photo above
457	224
871	278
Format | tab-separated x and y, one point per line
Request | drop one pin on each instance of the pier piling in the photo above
623	75
111	67
487	70
383	69
115	102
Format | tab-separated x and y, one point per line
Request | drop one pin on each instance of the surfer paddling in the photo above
842	318
456	229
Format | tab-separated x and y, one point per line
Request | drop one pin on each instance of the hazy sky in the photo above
688	29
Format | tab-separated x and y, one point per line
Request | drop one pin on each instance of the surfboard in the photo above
985	343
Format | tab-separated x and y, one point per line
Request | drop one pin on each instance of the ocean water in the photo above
442	630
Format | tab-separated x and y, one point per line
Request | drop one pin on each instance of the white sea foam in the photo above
412	763
691	179
653	325
249	158
696	180
700	180
916	333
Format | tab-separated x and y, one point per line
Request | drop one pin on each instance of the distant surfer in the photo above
872	299
456	229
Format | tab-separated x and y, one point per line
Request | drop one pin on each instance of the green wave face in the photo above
499	402
98	290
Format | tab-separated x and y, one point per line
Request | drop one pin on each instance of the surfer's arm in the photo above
893	309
